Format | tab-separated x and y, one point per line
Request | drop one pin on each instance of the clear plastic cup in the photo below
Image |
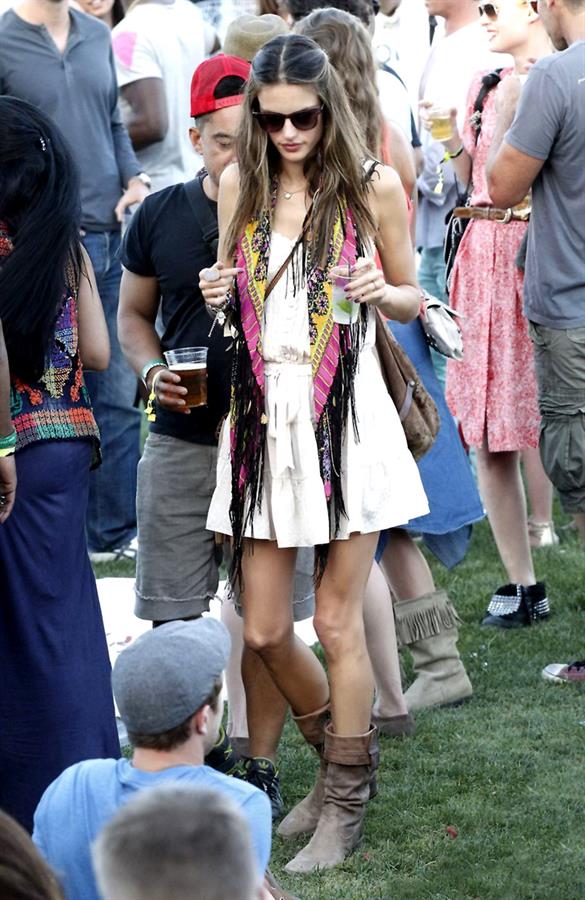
441	128
190	364
345	311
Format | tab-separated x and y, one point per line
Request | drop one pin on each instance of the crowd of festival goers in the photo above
281	186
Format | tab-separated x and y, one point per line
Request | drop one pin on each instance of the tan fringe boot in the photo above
303	818
350	760
428	627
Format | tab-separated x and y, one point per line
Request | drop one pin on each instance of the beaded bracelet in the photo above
8	444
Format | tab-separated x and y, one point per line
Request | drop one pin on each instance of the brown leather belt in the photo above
492	213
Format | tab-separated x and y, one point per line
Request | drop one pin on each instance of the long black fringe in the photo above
330	430
249	437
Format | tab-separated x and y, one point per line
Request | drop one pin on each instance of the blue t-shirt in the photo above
77	805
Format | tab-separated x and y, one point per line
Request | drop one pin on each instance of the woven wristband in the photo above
448	155
151	364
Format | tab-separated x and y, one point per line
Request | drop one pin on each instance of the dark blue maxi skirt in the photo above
56	704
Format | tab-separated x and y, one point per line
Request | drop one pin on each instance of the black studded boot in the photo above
516	606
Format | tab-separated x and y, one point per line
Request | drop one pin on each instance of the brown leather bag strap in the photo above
282	269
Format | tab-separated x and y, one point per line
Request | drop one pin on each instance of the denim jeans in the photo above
431	277
111	514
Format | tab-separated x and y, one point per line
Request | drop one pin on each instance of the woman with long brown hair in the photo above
313	453
425	617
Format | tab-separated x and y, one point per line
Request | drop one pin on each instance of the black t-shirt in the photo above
164	240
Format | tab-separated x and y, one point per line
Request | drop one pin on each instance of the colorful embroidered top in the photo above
334	356
57	407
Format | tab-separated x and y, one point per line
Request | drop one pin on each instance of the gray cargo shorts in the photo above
177	568
560	370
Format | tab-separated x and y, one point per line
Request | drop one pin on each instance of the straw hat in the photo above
247	34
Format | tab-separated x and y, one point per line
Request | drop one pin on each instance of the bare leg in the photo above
405	567
538	487
503	495
269	629
339	623
267	707
382	648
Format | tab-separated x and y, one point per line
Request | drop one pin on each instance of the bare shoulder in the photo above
386	194
87	274
84	255
229	182
384	183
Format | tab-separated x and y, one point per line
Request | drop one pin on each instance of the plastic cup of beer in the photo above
190	364
345	311
441	128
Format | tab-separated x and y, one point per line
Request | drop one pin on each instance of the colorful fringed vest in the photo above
334	356
57	407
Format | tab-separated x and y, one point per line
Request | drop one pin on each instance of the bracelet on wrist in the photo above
151	364
448	155
9	441
154	378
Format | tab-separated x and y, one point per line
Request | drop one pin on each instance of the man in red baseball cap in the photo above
210	88
168	241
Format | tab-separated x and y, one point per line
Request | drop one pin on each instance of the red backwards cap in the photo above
206	78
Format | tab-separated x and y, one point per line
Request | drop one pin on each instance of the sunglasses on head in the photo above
303	119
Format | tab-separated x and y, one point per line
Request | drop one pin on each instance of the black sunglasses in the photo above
489	10
303	119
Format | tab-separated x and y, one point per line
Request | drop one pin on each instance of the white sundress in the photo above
381	484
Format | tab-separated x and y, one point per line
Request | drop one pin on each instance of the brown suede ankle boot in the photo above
350	760
303	818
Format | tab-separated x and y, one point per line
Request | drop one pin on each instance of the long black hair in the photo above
40	205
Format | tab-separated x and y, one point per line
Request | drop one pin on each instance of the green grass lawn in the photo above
503	772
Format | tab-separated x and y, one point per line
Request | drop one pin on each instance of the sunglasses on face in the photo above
489	10
302	119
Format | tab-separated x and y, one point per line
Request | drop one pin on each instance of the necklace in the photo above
288	194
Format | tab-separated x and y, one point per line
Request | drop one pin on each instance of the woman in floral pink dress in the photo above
493	390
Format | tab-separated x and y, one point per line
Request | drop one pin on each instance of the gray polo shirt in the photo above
78	90
550	125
